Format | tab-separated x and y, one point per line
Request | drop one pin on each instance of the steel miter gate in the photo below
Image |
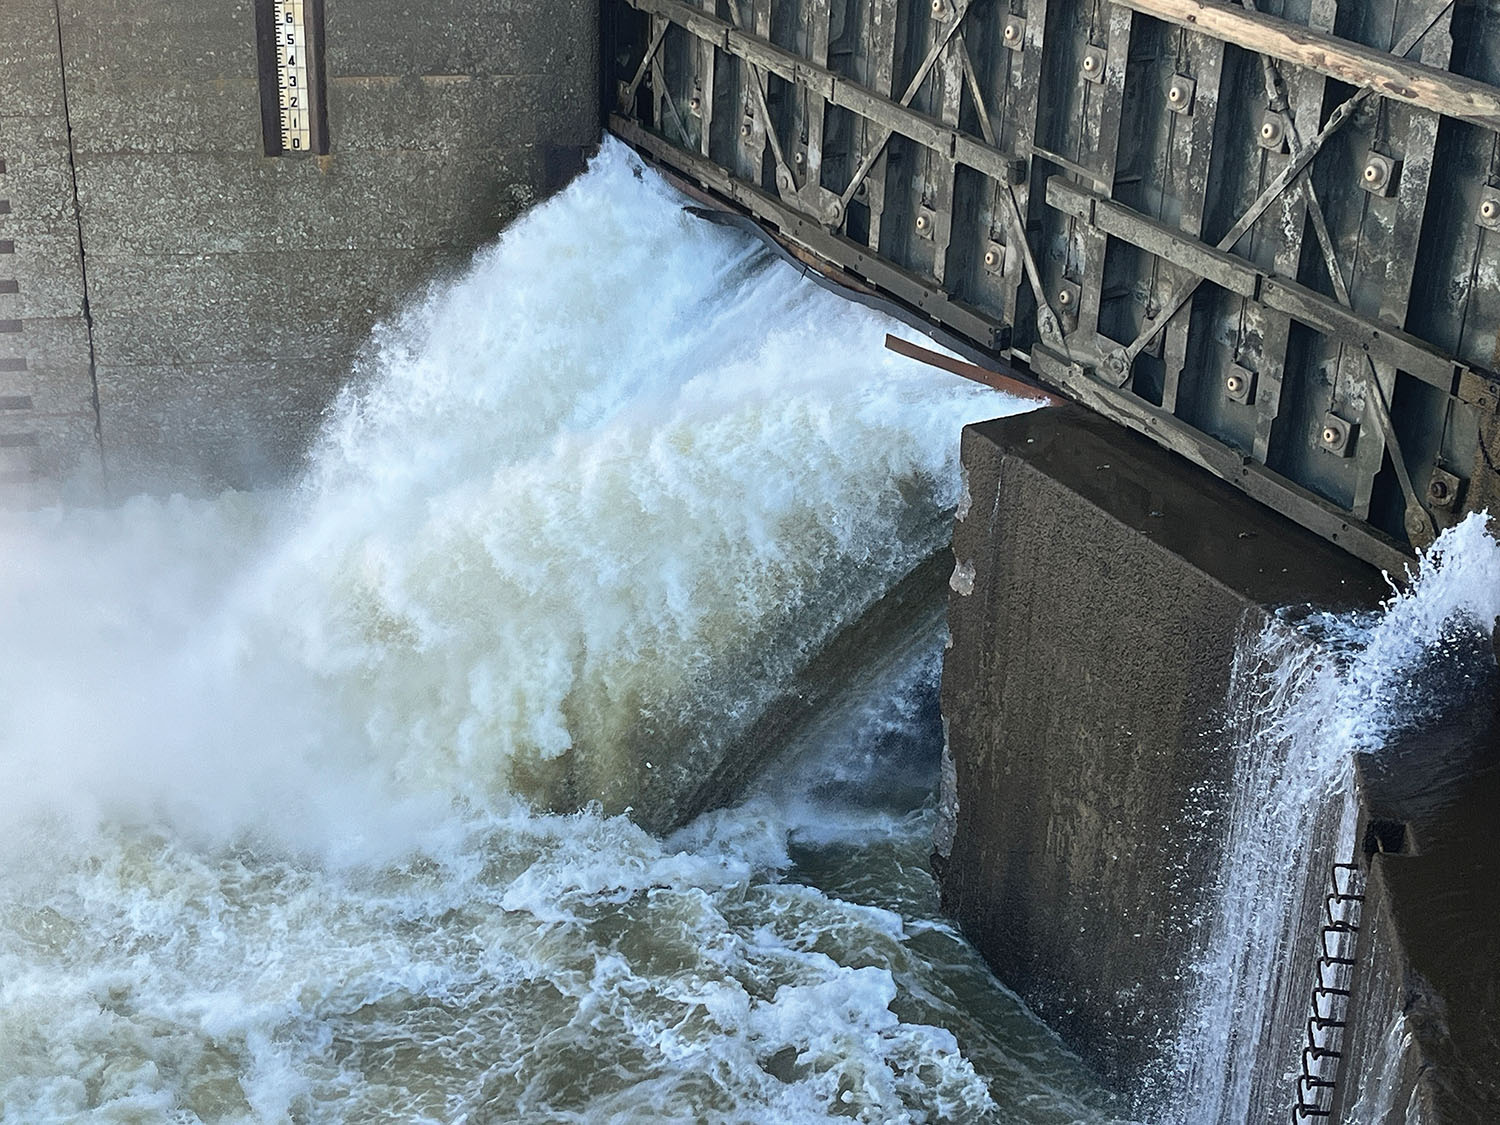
1266	234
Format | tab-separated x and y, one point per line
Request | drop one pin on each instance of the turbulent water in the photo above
274	767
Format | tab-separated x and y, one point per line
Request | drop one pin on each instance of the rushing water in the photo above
1308	692
272	766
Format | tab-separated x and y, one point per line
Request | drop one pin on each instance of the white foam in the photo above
585	482
261	855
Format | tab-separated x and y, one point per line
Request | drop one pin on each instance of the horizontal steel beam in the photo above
855	257
1381	342
1250	477
1388	75
835	88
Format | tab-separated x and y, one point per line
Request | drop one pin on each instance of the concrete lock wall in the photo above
228	291
1101	589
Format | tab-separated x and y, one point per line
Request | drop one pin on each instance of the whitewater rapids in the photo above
274	767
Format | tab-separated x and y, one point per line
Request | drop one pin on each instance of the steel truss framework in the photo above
1266	234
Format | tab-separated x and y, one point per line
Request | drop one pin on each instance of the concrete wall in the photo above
229	291
1102	584
1426	989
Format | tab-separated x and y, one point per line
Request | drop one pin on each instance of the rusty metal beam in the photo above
1382	342
989	377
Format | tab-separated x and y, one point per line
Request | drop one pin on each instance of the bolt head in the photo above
1269	130
1090	63
1235	384
1372	173
937	7
745	129
1438	490
1175	94
1012	32
799	159
696	104
1065	298
1331	435
991	258
1490	209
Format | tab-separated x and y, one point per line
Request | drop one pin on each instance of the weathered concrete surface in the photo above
1427	986
1100	586
229	291
47	416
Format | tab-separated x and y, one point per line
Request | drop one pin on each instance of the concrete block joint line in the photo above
88	318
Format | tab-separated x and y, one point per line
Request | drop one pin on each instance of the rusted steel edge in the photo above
992	379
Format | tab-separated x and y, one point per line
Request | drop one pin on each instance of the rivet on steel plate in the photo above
1378	176
1336	434
1239	384
1443	489
1272	133
1180	94
1093	64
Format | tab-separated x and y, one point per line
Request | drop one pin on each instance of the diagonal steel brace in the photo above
1417	519
960	10
1121	359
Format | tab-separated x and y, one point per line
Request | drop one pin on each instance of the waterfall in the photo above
1307	692
276	769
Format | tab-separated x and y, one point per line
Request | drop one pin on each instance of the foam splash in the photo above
263	855
581	514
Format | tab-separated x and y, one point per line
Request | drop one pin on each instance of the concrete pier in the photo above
1101	586
176	306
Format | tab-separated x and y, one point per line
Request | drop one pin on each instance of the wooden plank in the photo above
704	89
1388	75
949	77
1100	133
1191	147
1024	74
1264	340
881	53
